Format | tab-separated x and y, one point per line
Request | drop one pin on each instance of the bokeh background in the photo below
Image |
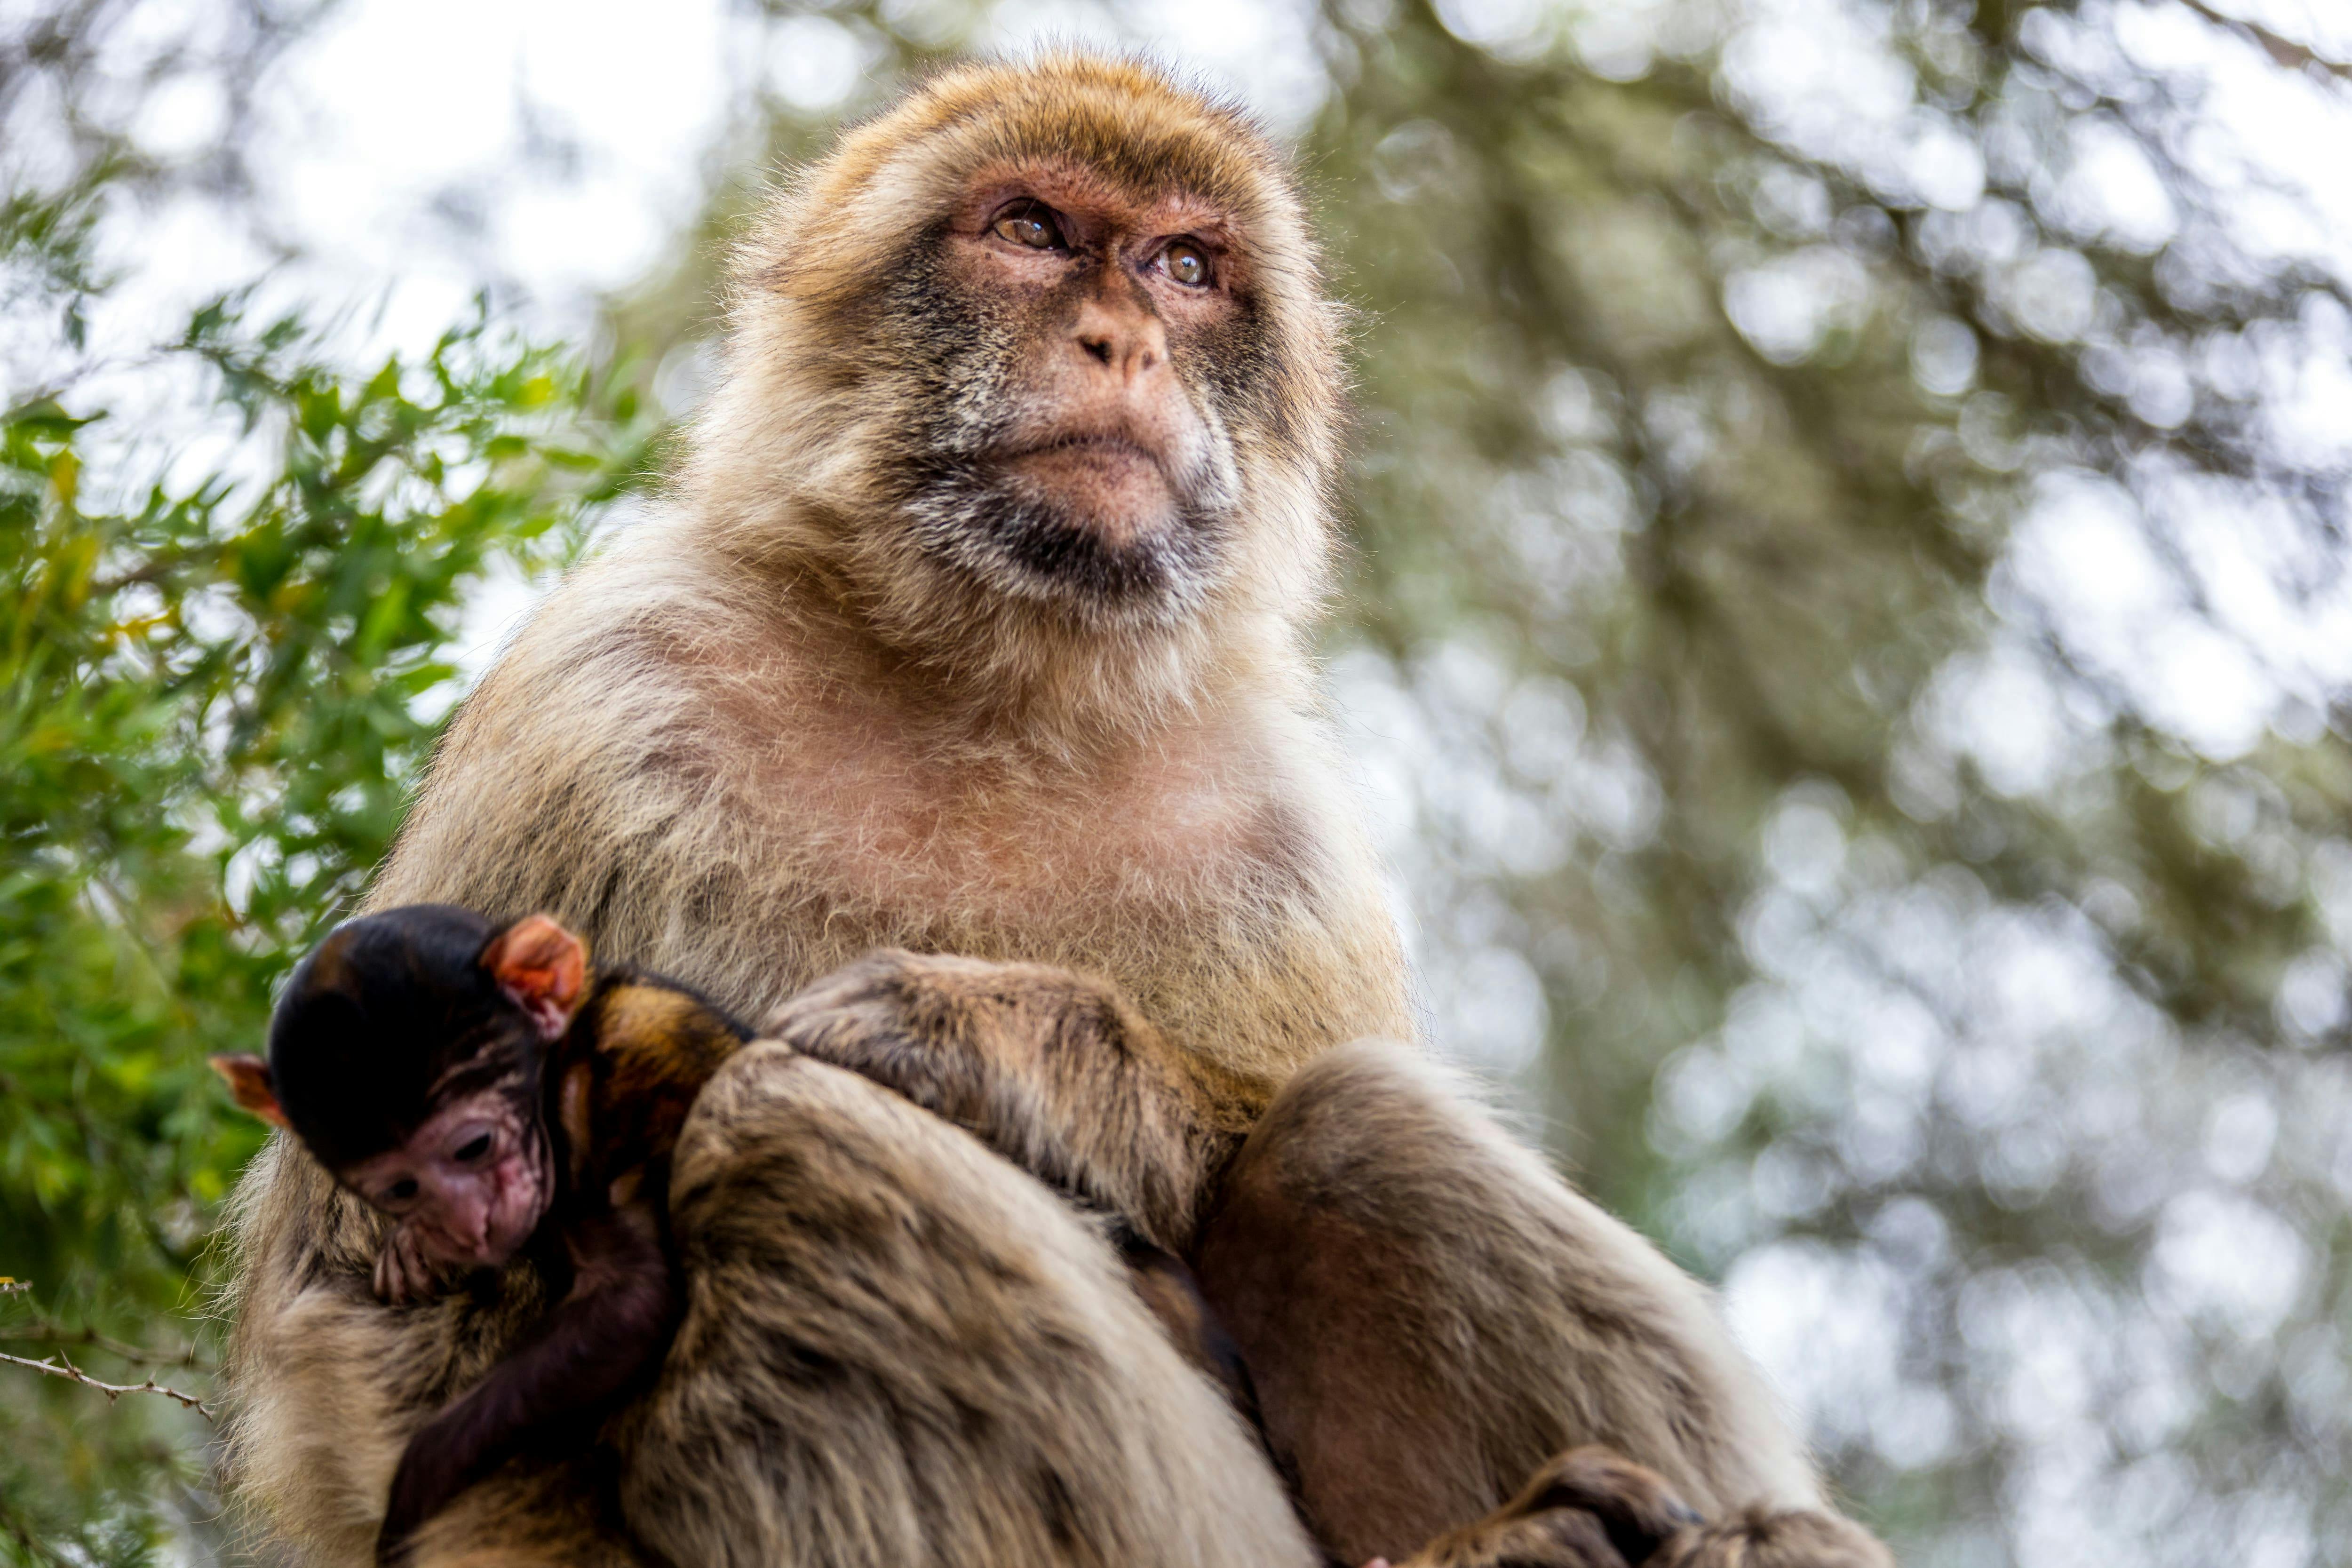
1847	639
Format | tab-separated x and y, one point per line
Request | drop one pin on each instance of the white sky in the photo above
379	120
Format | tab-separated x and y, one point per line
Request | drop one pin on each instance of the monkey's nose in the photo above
470	1223
1123	339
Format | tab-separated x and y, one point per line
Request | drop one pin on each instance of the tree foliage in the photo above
212	698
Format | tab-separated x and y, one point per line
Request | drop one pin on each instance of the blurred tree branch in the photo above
2284	50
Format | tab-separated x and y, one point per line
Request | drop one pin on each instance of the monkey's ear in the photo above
249	1085
543	967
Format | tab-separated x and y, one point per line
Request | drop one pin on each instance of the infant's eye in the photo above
1185	263
474	1148
400	1191
1031	224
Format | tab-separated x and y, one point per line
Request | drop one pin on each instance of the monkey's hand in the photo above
1765	1538
1587	1508
403	1272
1052	1068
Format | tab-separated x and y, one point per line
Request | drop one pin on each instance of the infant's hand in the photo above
403	1272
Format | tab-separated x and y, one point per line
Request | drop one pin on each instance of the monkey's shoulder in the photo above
629	1070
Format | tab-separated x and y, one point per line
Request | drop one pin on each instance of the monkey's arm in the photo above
615	1322
1053	1068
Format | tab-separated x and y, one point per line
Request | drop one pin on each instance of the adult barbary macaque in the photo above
977	625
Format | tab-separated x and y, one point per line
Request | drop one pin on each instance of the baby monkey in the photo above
479	1086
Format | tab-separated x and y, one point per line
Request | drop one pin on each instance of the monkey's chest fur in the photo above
715	823
1160	870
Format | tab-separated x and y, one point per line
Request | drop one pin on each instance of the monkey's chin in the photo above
1126	571
1063	554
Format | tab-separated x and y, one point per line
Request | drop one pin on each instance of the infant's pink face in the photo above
470	1184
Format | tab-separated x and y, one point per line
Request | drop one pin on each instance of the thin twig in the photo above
58	1366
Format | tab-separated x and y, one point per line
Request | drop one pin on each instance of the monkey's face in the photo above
471	1184
1071	447
1042	350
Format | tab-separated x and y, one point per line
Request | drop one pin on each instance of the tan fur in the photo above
763	735
1760	1537
1425	1309
1592	1508
982	1411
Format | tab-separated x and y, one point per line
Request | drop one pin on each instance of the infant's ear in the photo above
543	967
249	1082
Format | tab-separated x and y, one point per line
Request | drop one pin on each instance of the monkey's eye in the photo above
1031	224
1186	263
474	1149
400	1191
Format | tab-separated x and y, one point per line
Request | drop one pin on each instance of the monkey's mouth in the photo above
1114	485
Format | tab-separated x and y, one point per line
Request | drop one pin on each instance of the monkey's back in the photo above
627	1072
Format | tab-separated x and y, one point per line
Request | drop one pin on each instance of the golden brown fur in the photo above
1306	1254
788	721
1424	1311
985	1413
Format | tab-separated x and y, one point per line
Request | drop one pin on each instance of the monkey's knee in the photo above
1332	1254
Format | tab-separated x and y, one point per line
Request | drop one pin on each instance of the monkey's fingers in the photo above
1760	1537
880	1017
861	983
391	1280
1585	1507
1555	1538
1633	1502
403	1273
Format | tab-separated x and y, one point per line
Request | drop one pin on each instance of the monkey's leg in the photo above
1428	1312
899	1350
